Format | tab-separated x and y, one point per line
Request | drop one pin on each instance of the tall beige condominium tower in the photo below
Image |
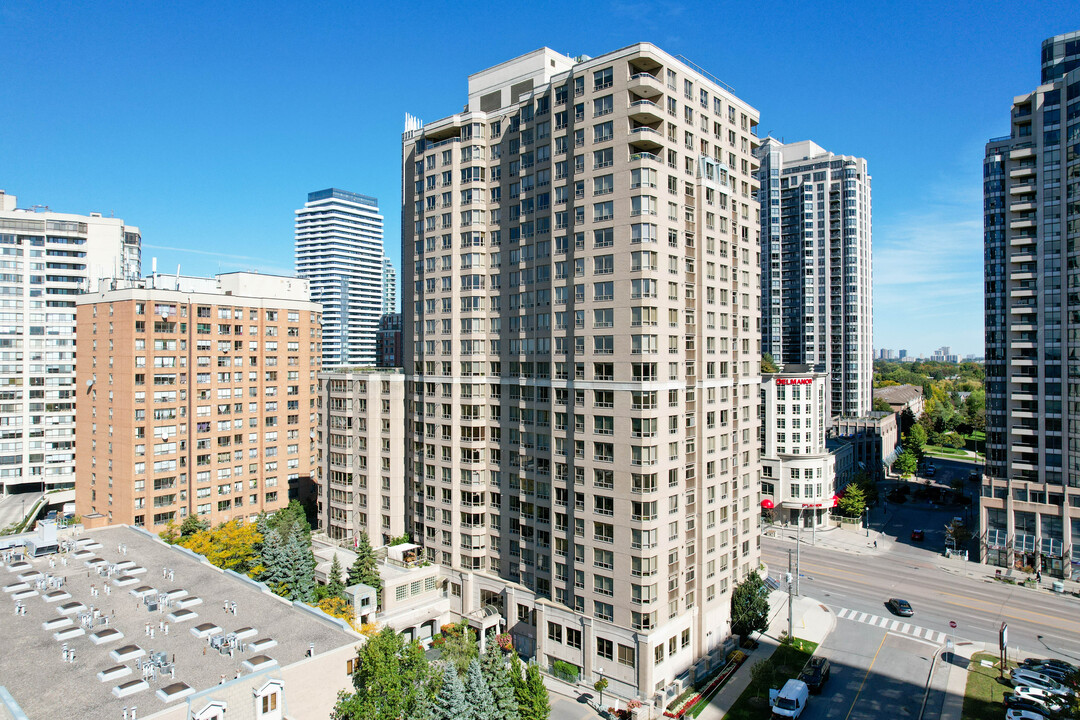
581	288
1030	501
196	397
46	259
361	454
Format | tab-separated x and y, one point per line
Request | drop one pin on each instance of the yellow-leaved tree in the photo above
231	546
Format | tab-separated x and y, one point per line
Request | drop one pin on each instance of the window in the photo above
605	648
603	105
626	655
603	79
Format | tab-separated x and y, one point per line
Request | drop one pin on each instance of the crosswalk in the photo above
891	625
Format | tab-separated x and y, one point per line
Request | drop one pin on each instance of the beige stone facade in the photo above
196	396
361	454
581	284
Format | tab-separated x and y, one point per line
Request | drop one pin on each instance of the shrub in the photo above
565	671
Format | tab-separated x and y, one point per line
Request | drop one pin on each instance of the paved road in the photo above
860	584
12	507
875	674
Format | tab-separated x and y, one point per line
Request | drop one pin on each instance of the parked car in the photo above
816	673
930	471
1039	696
1053	672
1017	714
918	535
1049	662
1015	702
1031	678
900	607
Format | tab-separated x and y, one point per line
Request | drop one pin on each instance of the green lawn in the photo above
984	693
787	661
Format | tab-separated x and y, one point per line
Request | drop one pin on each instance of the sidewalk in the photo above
837	538
811	622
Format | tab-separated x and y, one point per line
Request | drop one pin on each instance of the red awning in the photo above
767	504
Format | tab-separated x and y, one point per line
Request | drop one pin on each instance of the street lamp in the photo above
600	685
866	519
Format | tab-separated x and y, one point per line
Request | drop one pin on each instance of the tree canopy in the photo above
853	503
392	681
906	464
231	546
750	606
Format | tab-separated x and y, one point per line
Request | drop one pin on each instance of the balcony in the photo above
645	139
1021	153
1025	189
644	157
645	111
1022	223
1022	205
1024	171
646	85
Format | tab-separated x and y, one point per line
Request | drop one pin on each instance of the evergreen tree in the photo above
517	682
301	570
481	702
538	705
275	569
497	674
335	588
365	569
451	703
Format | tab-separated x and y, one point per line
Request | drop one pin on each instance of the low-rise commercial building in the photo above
120	622
875	440
801	470
902	397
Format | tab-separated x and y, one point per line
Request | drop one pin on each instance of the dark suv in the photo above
816	673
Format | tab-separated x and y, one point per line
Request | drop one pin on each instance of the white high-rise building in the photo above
816	274
389	285
48	258
580	299
339	250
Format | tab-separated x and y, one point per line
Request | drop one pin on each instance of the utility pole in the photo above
790	600
798	548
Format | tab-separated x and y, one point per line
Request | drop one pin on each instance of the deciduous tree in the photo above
906	464
854	501
392	681
750	606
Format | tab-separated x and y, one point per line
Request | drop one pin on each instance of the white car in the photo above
1014	714
1048	700
1022	676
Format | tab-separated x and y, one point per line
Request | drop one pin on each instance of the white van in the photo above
789	701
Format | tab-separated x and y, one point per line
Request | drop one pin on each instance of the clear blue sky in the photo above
206	123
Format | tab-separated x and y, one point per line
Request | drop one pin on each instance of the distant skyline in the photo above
207	124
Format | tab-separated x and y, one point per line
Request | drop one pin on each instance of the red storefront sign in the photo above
794	381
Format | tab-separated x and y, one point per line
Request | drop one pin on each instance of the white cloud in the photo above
928	278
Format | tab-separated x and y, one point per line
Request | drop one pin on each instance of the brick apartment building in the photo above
196	395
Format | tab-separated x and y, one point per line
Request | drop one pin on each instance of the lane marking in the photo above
883	622
895	624
907	626
863	683
862	617
1056	622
